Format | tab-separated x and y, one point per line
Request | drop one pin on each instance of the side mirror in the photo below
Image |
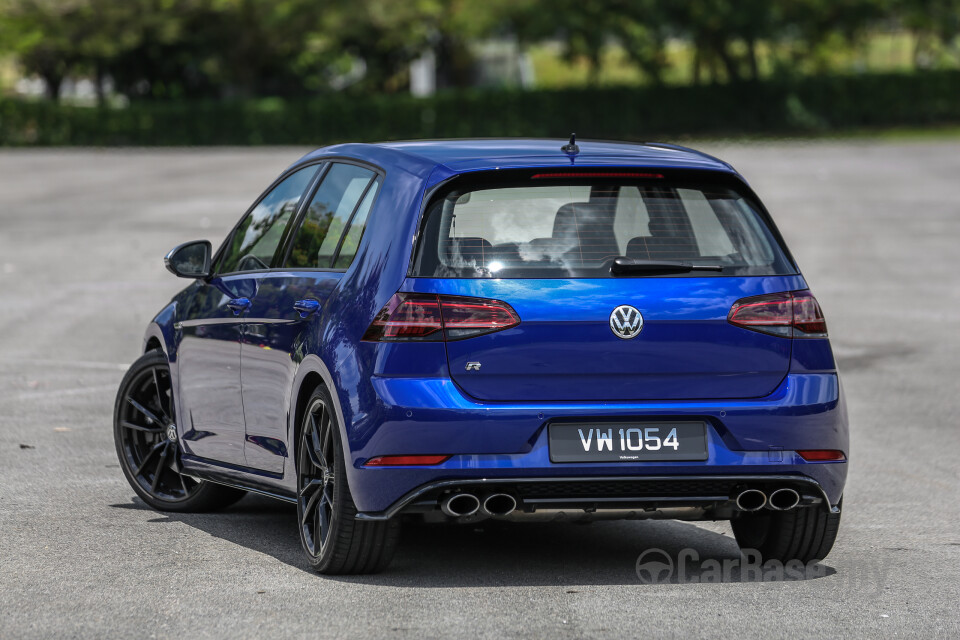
189	260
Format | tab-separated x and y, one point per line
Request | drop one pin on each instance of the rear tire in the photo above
334	541
143	418
806	534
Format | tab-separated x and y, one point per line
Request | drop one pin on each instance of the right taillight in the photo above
429	317
792	314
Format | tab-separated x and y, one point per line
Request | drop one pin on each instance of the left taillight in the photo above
436	318
793	314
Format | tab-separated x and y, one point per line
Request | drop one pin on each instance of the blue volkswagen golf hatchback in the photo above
509	329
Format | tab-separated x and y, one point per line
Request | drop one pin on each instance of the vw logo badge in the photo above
626	322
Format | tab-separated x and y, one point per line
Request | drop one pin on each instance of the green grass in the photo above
878	52
946	134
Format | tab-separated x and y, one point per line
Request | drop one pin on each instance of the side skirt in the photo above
253	480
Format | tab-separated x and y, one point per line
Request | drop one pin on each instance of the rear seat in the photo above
470	250
671	235
586	231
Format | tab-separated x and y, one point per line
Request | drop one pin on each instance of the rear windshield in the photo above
540	228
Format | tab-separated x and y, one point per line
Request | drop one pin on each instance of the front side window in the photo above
333	206
257	237
566	228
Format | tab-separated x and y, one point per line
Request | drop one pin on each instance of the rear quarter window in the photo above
528	228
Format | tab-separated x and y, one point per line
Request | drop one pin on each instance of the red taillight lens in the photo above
822	455
793	314
407	317
429	317
467	317
807	316
406	461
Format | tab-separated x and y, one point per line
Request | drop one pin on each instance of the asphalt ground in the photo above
875	227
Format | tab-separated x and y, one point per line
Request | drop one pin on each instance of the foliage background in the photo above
175	72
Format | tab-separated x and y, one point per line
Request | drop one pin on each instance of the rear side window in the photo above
357	225
333	206
540	229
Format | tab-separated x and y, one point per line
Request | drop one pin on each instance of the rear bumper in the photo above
714	495
507	442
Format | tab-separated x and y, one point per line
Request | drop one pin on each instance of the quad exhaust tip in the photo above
783	499
499	504
460	505
751	500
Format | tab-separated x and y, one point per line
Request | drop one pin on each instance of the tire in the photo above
150	458
806	534
334	541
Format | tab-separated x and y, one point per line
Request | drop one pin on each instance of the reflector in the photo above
822	455
406	461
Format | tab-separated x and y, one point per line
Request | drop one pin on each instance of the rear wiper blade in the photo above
631	266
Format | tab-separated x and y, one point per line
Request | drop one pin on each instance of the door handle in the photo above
306	307
239	305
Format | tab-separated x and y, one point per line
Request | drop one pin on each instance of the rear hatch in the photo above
614	279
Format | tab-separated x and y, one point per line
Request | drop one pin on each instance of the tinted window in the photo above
325	220
351	240
256	239
536	230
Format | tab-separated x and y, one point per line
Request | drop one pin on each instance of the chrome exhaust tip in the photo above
499	504
783	499
751	500
460	505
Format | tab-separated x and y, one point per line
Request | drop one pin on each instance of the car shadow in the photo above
500	554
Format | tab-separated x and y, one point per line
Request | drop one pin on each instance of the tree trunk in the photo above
752	59
54	82
654	63
697	63
593	73
729	64
98	82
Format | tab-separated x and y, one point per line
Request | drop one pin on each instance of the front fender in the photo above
161	329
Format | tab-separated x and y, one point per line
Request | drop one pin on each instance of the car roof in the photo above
458	156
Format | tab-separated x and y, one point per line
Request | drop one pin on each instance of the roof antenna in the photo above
571	147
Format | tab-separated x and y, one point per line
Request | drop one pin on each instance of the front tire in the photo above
334	541
145	434
806	534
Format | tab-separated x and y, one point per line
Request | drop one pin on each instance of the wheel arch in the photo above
311	374
160	331
153	338
311	382
152	344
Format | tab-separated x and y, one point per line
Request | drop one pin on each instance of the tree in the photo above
934	22
39	33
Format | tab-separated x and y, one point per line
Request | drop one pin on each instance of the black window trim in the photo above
297	221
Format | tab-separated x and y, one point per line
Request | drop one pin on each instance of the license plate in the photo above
627	442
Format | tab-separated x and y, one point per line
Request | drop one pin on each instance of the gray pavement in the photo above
876	228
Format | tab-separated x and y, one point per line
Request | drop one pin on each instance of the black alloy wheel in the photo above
147	442
334	541
317	478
